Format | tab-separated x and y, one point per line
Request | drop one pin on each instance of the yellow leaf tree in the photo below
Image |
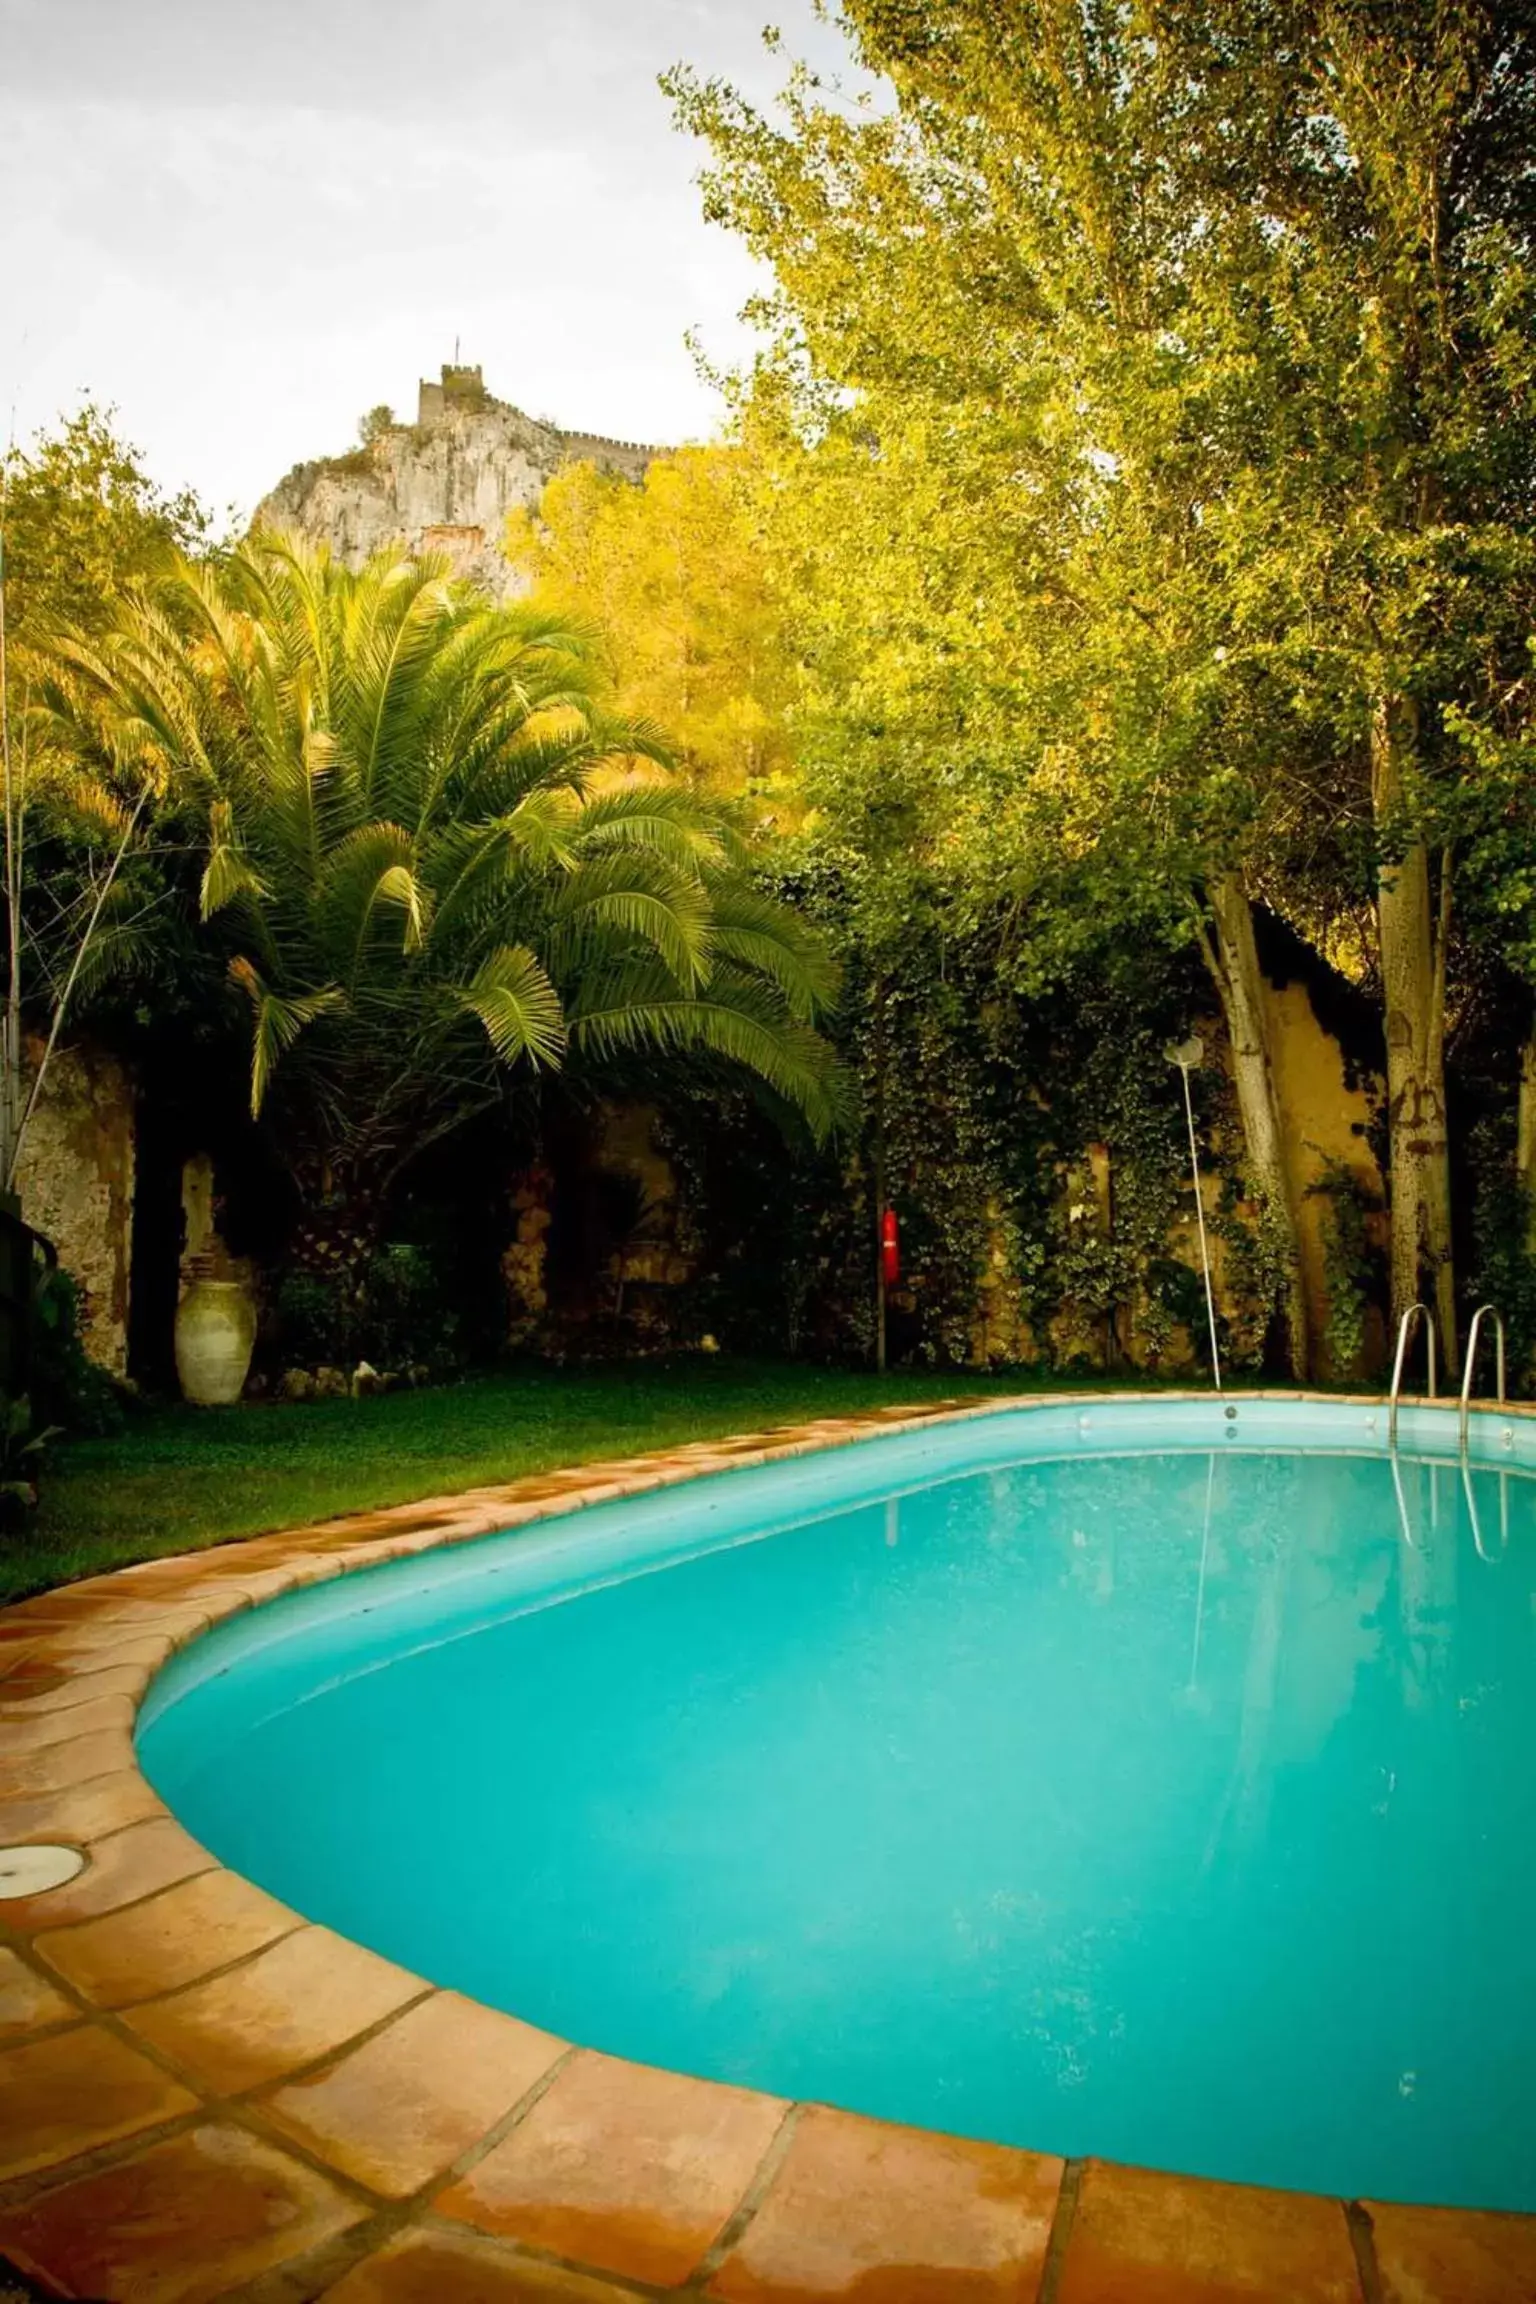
673	577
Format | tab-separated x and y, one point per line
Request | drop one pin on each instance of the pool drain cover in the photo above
33	1871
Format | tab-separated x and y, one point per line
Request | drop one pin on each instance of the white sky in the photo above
243	222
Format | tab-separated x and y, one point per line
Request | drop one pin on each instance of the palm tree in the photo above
430	859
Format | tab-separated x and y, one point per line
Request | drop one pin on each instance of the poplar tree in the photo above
1216	322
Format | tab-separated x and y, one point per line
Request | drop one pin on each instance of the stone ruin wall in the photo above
76	1177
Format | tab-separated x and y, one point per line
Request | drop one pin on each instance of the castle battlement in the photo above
604	441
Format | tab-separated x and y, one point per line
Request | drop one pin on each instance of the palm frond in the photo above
663	818
228	873
278	1022
766	937
733	1018
635	899
372	866
399	885
518	1006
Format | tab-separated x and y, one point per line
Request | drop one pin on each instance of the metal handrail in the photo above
1404	1331
1466	1374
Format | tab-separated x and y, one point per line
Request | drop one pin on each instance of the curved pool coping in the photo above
203	2095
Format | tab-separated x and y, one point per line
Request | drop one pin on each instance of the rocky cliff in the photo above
445	483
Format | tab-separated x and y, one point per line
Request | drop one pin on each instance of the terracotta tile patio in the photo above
203	2095
402	2109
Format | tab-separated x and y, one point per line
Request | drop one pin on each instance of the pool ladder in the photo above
1478	1317
1404	1335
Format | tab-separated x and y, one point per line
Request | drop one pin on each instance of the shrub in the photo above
69	1390
1503	1264
1351	1269
21	1449
314	1324
409	1317
400	1315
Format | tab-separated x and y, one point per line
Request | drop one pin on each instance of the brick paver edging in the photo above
202	2095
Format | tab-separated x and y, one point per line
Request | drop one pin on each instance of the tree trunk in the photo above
1525	1132
1413	955
1234	966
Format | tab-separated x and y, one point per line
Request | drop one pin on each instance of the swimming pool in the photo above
1140	1779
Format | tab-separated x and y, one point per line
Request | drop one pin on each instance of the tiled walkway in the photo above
202	2095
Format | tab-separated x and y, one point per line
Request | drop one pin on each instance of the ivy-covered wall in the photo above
1036	1152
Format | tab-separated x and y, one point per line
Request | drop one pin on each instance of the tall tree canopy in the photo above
1173	362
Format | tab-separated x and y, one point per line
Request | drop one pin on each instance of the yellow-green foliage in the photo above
673	575
81	519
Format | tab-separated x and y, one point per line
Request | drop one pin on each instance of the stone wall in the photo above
445	483
76	1181
523	1263
636	1276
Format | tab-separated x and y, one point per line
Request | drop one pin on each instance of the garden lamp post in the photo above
1187	1054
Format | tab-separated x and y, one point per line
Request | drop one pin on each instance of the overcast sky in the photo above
245	224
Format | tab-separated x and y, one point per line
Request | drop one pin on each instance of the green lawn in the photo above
177	1478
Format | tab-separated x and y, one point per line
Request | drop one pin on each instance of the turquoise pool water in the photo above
1150	1781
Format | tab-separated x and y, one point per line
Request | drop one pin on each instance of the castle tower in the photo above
461	387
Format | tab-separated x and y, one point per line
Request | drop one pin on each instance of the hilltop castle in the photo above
445	483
